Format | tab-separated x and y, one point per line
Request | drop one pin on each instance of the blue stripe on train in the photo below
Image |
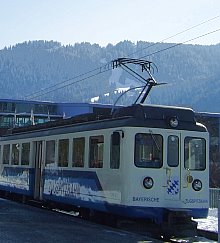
83	188
18	180
77	188
73	187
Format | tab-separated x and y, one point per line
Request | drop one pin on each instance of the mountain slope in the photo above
192	72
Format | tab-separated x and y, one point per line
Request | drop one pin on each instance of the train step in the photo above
35	203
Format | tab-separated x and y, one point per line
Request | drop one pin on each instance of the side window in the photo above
63	153
25	154
195	153
148	150
96	145
15	154
6	153
115	151
173	151
50	152
78	152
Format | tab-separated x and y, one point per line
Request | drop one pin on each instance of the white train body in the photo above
136	164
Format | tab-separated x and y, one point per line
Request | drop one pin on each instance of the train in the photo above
142	161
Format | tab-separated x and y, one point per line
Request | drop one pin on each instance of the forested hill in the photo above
192	73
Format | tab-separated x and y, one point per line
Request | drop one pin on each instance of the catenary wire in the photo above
93	75
109	69
181	32
140	57
64	81
33	95
178	44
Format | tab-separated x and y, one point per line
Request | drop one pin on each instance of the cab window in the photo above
195	153
96	144
148	150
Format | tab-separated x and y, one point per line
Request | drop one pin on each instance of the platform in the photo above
20	223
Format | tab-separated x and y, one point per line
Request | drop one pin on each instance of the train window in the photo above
6	153
195	153
25	153
15	154
50	152
96	152
63	153
115	151
78	152
173	151
148	150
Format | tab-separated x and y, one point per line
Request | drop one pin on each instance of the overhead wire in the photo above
64	81
93	75
179	33
101	69
178	44
48	89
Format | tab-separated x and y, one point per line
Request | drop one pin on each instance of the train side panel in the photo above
95	188
16	171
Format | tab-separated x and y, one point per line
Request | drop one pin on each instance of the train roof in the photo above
156	112
208	114
135	115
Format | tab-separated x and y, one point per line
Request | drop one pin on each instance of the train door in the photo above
38	163
195	171
172	167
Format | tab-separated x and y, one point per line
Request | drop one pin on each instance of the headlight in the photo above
173	122
197	185
148	182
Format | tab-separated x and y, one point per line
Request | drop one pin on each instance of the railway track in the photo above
181	233
178	233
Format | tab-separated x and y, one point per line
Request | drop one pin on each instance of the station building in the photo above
19	113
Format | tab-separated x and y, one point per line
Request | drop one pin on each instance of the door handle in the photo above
188	179
168	175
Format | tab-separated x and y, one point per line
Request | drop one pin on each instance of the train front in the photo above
169	177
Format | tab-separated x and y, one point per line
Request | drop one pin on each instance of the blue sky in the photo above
107	21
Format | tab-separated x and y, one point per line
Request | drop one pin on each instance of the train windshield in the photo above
195	153
148	150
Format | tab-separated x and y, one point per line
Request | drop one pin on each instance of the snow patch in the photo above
211	222
94	99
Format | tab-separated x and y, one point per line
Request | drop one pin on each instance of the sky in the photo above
108	21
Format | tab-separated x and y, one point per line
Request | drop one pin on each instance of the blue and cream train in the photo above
143	161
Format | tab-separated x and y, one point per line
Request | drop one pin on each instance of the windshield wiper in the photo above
152	135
